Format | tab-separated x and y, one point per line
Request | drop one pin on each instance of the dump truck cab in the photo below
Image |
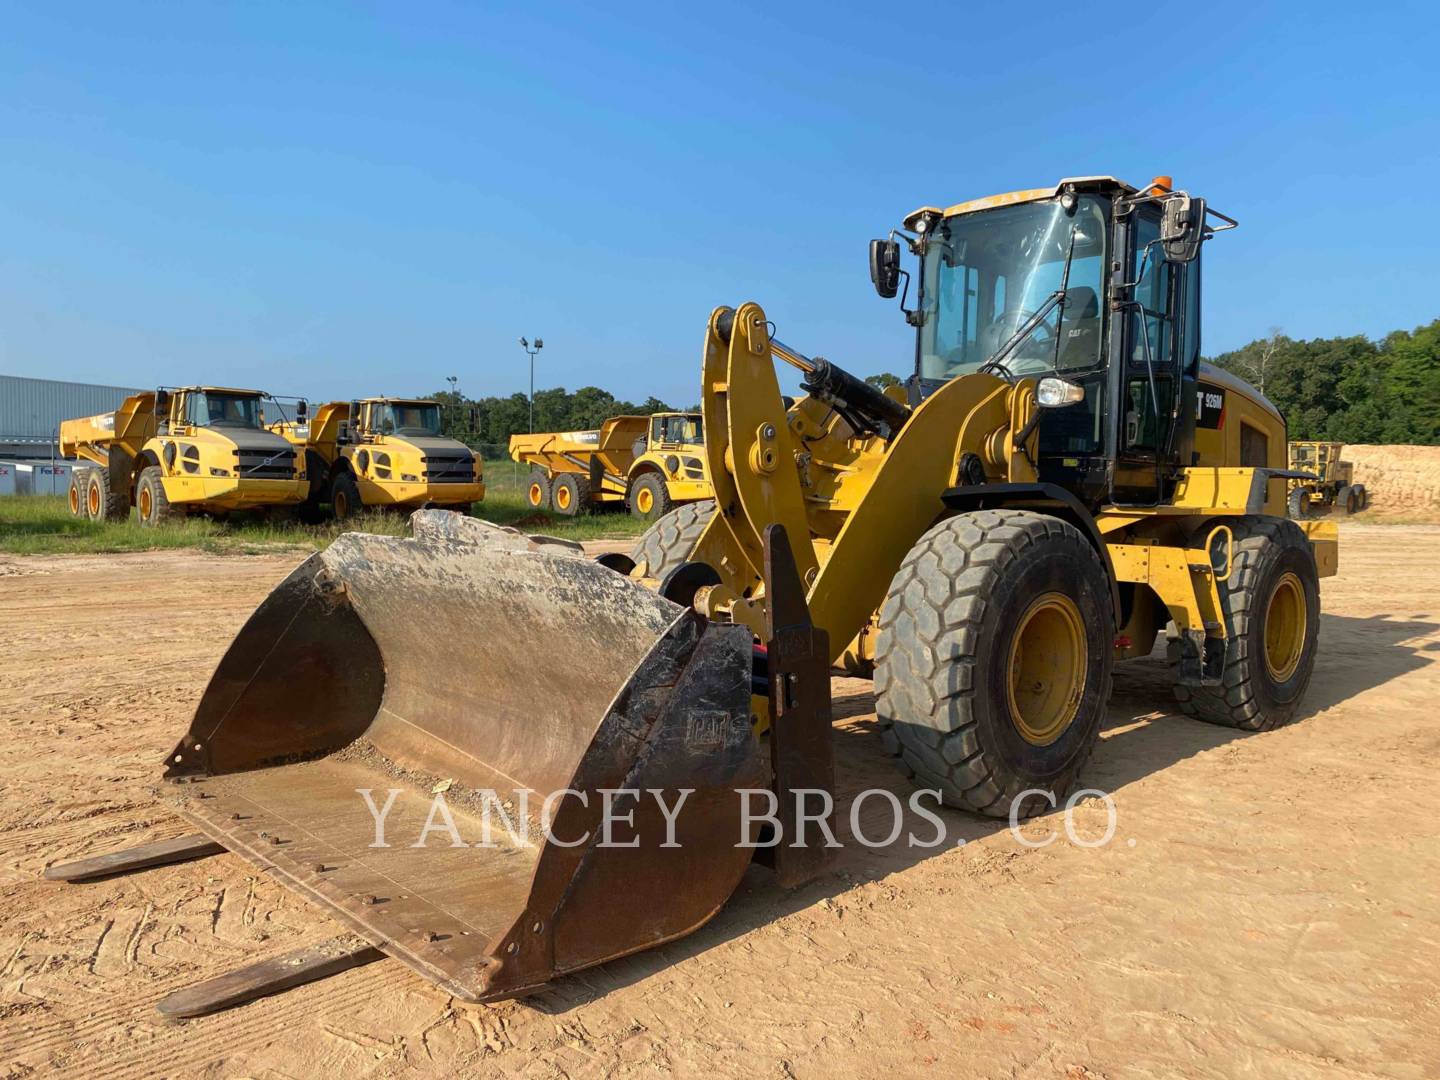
183	450
386	452
673	457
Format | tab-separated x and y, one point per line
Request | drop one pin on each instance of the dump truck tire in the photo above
570	494
1296	504
102	504
993	662
1345	500
1363	496
1272	616
152	507
537	490
311	512
649	497
670	541
75	496
345	497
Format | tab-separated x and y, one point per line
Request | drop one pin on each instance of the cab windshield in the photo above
405	418
212	408
676	429
985	274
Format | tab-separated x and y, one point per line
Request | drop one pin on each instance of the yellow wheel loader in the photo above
646	464
382	452
181	450
1061	486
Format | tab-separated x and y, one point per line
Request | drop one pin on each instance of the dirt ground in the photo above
1266	907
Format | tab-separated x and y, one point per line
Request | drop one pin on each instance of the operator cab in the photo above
1092	285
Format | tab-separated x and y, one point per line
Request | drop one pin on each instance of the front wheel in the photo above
344	497
1272	621
151	504
992	666
649	497
1295	503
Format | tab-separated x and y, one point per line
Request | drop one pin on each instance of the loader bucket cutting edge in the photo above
436	666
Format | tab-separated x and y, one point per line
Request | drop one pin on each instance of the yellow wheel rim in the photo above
645	500
145	502
75	500
1048	659
342	505
562	497
94	500
537	496
1285	618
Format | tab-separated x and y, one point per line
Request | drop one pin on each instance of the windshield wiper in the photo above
1056	298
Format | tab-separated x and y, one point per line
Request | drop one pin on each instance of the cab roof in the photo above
396	401
990	202
212	390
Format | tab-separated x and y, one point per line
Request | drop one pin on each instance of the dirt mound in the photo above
1403	481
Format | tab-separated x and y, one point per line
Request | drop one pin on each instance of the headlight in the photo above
410	477
219	472
1053	392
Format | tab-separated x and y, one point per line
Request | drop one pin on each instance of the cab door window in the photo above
1151	354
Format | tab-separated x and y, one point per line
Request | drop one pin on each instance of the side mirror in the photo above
885	267
1182	228
301	409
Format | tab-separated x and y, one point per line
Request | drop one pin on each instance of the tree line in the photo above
494	419
1349	389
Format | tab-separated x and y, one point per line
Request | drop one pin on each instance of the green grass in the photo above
42	525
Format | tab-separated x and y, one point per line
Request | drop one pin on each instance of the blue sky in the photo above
344	199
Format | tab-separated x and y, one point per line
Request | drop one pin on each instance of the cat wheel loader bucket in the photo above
429	683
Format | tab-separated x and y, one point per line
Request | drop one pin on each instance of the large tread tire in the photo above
656	495
537	490
1249	697
102	504
1362	496
1295	503
570	494
1345	501
312	510
345	500
152	507
944	651
671	540
75	495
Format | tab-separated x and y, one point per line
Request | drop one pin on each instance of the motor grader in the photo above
177	451
1061	484
646	464
1322	482
382	452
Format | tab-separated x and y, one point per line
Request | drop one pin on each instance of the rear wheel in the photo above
1295	503
151	504
1345	500
992	666
672	539
649	497
76	494
1272	617
344	496
102	504
1362	496
570	494
537	491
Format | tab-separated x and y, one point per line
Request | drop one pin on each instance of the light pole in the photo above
532	350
